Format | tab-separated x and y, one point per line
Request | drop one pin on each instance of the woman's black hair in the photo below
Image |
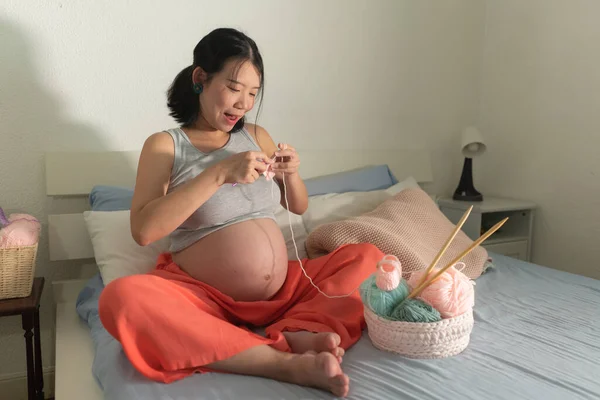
211	54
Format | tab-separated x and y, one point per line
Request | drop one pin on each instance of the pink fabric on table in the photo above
22	230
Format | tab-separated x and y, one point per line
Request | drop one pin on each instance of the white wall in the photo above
540	114
339	74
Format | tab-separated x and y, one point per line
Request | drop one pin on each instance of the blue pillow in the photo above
110	198
364	179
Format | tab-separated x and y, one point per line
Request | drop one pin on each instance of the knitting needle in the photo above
446	245
476	243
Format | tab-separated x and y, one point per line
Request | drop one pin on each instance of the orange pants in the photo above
171	325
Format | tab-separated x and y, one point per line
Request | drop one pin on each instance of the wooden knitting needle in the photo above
476	243
440	254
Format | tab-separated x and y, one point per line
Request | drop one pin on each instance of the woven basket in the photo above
17	270
441	339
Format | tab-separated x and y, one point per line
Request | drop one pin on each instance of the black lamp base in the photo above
465	190
467	197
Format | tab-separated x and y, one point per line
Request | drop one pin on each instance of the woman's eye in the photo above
233	90
253	94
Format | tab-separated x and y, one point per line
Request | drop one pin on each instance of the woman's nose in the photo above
244	103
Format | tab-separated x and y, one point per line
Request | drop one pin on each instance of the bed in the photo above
536	333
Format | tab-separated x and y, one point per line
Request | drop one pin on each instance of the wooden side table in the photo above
28	308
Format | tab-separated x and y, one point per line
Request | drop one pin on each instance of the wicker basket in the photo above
441	339
17	270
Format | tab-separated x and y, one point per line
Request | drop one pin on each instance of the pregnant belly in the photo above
246	261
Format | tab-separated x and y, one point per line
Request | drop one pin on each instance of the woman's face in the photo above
229	94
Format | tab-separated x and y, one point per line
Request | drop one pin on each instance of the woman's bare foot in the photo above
303	341
321	371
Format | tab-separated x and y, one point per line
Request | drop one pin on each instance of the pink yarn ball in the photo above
389	273
16	217
452	294
23	230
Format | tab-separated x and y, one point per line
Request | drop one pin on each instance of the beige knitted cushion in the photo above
409	226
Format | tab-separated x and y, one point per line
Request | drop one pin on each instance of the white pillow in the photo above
116	253
332	207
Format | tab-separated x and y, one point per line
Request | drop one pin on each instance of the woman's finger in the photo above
284	146
259	166
286	166
259	156
290	157
285	153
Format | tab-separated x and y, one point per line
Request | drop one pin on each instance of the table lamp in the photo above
472	146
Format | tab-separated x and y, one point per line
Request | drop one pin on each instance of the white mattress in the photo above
536	336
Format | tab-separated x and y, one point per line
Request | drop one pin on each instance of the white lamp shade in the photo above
472	142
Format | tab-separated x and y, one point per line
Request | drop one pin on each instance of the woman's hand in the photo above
293	189
287	161
243	167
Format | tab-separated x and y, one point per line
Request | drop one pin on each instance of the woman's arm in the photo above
295	189
154	213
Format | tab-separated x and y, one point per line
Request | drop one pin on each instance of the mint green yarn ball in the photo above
379	301
415	310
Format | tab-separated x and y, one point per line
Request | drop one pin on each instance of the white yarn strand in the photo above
296	247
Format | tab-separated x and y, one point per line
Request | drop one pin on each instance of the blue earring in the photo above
198	88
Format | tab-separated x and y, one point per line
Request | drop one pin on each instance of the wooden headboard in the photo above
74	174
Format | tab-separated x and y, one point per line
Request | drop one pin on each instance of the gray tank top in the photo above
230	204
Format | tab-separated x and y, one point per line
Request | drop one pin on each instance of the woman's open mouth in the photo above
232	119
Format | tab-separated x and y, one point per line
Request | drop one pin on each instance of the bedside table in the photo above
513	239
28	308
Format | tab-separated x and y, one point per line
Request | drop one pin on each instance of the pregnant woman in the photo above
212	185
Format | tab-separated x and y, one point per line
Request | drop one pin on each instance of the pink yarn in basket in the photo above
22	230
389	273
452	294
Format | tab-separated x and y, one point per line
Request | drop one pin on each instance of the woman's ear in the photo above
198	75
